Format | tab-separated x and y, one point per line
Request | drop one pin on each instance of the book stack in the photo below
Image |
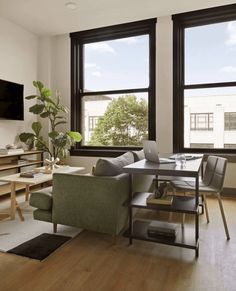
5	151
162	230
163	200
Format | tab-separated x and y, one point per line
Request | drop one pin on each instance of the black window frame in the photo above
180	23
78	40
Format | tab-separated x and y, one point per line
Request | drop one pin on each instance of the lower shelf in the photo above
184	237
6	189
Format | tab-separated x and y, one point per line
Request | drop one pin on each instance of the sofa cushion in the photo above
42	199
113	166
138	155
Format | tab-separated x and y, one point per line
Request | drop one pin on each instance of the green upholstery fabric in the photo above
42	199
90	202
44	215
113	166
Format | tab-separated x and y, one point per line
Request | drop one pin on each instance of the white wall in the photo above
18	63
164	105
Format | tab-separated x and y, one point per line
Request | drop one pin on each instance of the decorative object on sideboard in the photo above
51	164
49	107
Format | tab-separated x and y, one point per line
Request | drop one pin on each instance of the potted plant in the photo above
50	108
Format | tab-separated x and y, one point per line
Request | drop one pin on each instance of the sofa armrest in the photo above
42	199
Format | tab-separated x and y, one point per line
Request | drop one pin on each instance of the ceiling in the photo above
51	17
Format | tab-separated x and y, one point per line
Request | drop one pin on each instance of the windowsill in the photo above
101	151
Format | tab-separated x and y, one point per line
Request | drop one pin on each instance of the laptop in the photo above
151	153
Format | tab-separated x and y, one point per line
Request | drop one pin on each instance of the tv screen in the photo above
11	100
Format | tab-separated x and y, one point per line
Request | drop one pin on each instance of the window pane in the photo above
121	120
201	121
210	117
230	120
210	53
229	146
117	64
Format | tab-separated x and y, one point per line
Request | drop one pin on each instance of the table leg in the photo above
197	216
19	212
130	210
4	215
27	192
14	204
13	200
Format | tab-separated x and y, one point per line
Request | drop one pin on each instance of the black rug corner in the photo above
40	247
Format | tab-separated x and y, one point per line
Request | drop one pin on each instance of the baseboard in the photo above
229	192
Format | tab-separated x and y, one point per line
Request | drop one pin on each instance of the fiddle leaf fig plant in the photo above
49	107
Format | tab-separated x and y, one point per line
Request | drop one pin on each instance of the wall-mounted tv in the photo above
11	100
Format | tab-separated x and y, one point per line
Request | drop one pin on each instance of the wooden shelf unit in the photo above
10	162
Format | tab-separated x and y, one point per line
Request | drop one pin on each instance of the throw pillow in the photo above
113	166
138	155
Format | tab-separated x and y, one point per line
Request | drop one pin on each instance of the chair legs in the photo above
206	207
223	215
54	227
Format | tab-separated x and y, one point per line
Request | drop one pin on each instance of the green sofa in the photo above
92	202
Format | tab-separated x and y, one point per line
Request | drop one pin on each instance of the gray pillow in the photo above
113	166
138	155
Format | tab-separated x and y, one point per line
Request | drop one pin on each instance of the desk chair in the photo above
212	183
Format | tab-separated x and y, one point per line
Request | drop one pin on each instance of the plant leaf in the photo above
37	108
45	114
53	134
36	126
76	136
40	85
24	136
35	84
31	97
46	92
59	122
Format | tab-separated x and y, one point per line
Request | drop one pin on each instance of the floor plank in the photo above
91	262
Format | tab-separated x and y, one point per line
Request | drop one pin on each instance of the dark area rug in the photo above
40	247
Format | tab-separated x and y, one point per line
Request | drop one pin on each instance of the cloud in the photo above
228	69
91	66
101	47
97	74
231	31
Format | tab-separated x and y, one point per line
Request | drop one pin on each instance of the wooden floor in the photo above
91	262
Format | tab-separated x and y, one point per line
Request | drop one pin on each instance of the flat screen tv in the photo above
11	100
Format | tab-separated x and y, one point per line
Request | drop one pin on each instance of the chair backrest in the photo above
215	172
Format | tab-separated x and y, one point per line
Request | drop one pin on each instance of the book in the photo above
30	174
4	151
164	200
157	228
22	161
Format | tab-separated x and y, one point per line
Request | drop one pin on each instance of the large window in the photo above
205	80
113	87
